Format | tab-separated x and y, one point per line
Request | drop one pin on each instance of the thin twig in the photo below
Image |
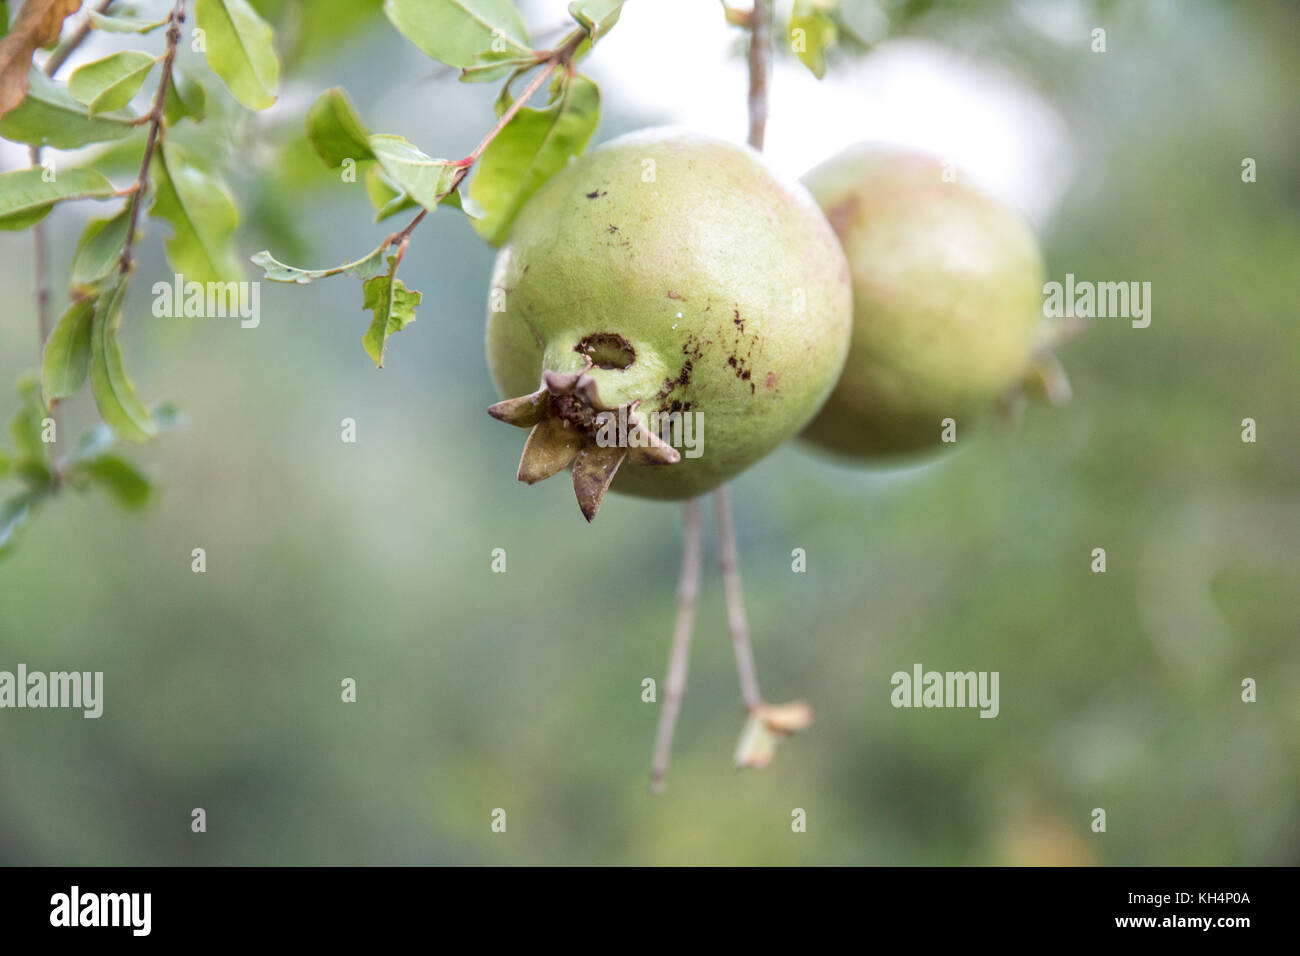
729	560
155	115
551	61
675	681
74	40
760	63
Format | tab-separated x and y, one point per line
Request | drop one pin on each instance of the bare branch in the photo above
155	116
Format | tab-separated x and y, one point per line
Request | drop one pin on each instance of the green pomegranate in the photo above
947	301
666	300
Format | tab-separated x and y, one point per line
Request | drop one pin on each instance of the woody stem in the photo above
675	681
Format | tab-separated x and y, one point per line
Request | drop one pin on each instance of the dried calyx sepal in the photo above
766	725
572	426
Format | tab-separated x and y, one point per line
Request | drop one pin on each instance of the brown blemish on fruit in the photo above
596	194
683	378
612	229
736	320
742	372
769	383
675	295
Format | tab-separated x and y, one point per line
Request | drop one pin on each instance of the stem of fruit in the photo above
675	680
729	560
760	59
760	55
155	115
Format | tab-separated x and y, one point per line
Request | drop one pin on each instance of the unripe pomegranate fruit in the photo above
665	273
947	301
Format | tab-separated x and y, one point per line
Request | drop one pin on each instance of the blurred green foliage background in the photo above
523	691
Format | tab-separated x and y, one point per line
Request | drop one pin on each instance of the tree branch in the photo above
551	61
675	681
760	65
155	116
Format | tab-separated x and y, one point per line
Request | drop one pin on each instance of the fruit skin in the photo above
947	291
701	271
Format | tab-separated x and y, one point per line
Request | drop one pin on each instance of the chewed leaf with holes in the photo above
393	306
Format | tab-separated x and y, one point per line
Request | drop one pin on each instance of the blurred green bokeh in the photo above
523	690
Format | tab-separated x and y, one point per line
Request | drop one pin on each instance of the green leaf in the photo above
453	31
185	97
25	427
14	514
323	26
202	215
48	116
239	50
533	147
596	16
128	486
115	396
99	249
465	204
812	33
505	99
387	199
276	271
109	24
489	66
394	308
26	197
109	84
67	352
423	178
335	131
